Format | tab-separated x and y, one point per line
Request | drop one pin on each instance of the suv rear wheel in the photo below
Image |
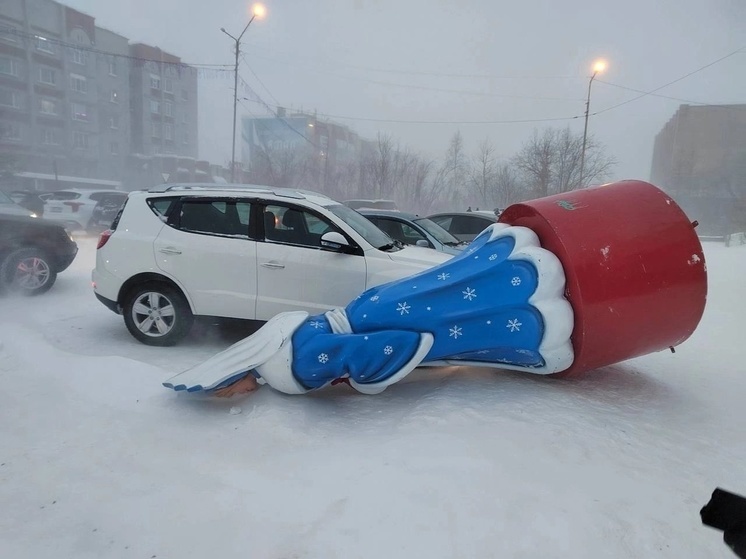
27	271
157	314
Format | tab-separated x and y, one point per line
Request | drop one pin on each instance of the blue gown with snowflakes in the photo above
499	303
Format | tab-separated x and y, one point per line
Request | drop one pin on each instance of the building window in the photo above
114	148
8	34
155	130
47	106
80	140
172	70
168	132
79	112
10	131
184	95
185	140
155	107
155	81
168	109
78	83
9	66
50	137
10	98
114	97
79	56
168	85
114	122
44	45
47	76
112	66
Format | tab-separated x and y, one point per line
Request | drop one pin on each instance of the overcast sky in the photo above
474	62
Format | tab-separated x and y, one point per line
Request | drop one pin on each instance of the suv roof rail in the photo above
285	192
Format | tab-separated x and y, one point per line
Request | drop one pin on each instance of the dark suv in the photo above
32	253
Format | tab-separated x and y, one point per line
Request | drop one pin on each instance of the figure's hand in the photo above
246	385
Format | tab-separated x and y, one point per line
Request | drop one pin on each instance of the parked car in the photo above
9	206
104	214
411	229
179	251
28	199
32	252
464	225
75	206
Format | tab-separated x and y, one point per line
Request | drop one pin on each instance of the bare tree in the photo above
550	162
455	170
508	188
482	173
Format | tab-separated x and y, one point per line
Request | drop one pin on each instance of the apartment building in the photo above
77	100
699	157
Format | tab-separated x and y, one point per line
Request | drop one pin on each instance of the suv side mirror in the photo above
423	243
334	241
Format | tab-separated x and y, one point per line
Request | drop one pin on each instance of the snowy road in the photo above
97	460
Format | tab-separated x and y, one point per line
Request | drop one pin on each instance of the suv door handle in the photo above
169	250
273	265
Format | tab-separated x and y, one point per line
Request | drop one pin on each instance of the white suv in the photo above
249	252
75	206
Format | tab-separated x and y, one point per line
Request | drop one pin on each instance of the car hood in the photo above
12	209
419	255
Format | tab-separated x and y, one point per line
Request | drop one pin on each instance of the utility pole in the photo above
599	66
258	10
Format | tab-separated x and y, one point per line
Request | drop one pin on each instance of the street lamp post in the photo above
599	66
258	10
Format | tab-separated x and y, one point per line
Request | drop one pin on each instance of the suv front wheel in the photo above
157	314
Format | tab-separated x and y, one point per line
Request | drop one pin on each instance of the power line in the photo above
443	90
646	93
243	57
689	101
419	72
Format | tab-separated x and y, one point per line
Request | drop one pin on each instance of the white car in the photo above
247	252
75	206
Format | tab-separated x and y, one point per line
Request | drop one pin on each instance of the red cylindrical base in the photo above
635	270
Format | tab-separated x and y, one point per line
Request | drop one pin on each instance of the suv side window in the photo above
294	226
213	217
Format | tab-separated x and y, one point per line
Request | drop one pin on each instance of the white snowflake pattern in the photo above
514	325
444	276
455	333
388	350
470	293
483	352
489	322
429	308
516	281
316	324
493	256
374	298
403	308
323	358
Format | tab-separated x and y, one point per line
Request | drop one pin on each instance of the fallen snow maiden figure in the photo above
560	286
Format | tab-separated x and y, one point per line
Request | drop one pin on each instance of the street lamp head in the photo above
599	66
259	11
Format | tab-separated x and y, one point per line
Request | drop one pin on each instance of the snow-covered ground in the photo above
98	460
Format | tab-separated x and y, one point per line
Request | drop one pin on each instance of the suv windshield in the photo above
362	226
5	199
